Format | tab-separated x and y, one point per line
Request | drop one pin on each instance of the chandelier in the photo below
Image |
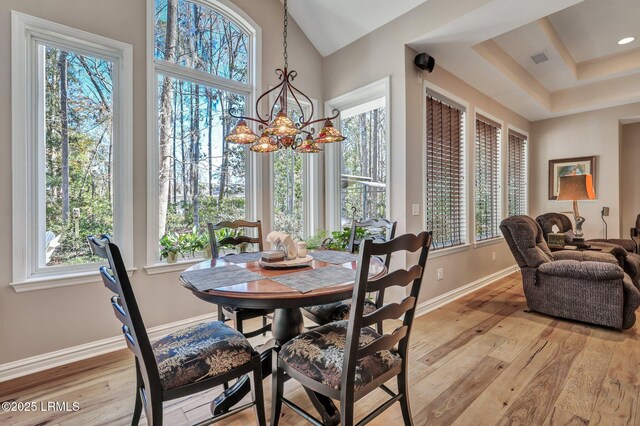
277	130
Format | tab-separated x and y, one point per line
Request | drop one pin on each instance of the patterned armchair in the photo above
580	285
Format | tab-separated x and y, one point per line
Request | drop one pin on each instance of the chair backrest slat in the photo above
400	277
384	342
233	240
119	311
108	280
369	248
390	311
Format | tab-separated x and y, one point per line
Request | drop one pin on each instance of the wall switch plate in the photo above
440	274
493	255
415	209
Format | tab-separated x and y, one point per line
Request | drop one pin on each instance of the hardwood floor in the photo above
480	360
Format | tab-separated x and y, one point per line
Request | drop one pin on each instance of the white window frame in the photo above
253	189
28	145
505	211
372	91
310	201
467	165
501	178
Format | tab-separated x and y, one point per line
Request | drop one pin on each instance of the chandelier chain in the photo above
284	34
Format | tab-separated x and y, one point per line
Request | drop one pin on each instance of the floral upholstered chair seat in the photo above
319	354
200	352
337	311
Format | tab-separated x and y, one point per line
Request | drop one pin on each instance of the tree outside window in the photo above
363	162
201	177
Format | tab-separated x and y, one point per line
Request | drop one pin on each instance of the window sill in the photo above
448	251
165	268
490	242
48	282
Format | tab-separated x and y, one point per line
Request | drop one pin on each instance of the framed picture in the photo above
567	167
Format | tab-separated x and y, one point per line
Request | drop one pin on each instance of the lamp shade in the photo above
329	134
281	126
308	145
576	187
242	134
264	144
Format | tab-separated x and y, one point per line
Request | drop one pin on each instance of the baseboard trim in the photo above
450	296
34	364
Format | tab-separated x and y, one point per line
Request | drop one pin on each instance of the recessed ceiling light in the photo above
626	40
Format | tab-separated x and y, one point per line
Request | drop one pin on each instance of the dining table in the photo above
243	282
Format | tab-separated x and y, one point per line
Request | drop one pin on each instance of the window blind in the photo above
517	173
487	179
444	204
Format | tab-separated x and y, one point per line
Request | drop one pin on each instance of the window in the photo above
71	148
363	162
517	173
203	73
444	189
290	200
357	169
487	179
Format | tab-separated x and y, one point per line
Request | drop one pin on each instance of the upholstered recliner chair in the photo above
635	234
580	285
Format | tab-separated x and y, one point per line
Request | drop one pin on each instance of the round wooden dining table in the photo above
287	323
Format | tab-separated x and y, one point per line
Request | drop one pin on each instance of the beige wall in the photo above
37	322
383	53
473	263
629	179
585	134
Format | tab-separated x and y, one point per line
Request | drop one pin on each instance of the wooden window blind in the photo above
444	204
517	173
487	179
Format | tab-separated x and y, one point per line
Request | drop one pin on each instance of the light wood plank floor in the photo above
480	360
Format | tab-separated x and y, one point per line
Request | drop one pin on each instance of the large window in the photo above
445	177
363	162
517	173
202	65
487	179
72	147
289	195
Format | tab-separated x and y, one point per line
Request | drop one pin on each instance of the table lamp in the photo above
574	188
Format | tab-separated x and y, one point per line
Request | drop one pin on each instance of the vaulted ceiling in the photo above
491	47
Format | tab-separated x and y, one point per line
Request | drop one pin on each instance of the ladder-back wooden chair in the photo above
239	315
381	230
185	362
368	359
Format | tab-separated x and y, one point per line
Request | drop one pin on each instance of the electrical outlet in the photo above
415	209
440	273
493	255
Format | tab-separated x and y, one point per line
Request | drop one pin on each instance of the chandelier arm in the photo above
294	89
335	115
278	86
302	118
231	113
279	97
256	120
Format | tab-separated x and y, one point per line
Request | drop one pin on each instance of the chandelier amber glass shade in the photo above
242	134
264	144
329	134
308	146
281	126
